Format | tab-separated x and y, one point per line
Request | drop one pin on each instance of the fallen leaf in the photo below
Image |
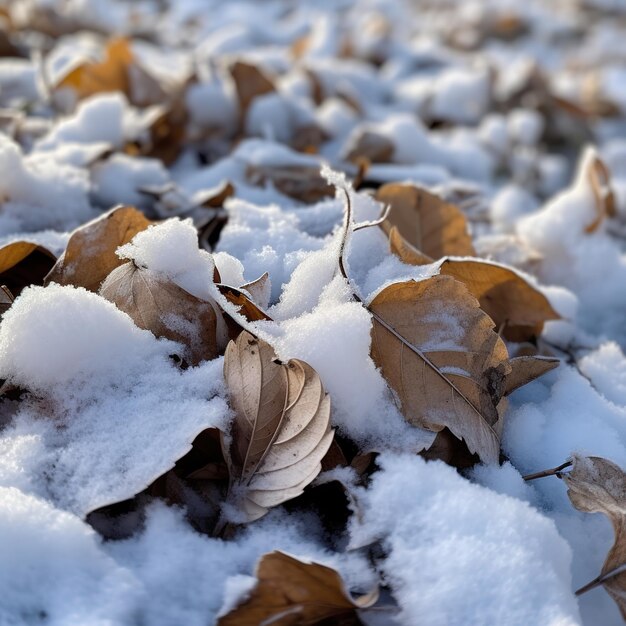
595	485
439	353
250	82
292	592
604	197
247	307
260	290
24	263
6	299
281	428
300	182
110	74
159	305
525	369
90	254
516	307
435	227
407	253
371	146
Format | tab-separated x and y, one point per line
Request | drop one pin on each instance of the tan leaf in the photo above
435	227
159	305
300	182
439	353
260	290
407	253
371	146
281	430
24	263
525	369
513	303
250	82
291	592
90	254
596	485
111	74
604	197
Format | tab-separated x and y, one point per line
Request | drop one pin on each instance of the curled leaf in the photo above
525	369
281	430
435	227
159	305
290	591
595	485
250	82
439	353
90	254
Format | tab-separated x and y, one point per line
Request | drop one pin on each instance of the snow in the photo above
106	410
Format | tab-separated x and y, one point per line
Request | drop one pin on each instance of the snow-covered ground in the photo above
501	107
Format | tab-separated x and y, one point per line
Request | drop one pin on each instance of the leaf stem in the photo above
600	580
555	471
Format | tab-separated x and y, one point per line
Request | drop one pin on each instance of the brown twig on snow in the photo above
555	471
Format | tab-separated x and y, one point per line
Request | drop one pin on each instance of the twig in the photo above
555	471
600	580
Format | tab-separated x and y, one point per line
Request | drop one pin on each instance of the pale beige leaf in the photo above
159	305
525	369
260	290
90	253
435	227
595	485
439	353
290	592
604	197
281	430
517	308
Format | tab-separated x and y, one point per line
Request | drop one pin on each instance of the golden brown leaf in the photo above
407	253
525	369
24	263
90	254
435	227
439	353
596	485
516	307
159	305
111	74
281	430
290	592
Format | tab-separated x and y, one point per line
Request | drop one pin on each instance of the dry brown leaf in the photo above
516	307
250	82
159	305
281	430
407	253
260	290
111	74
6	299
90	254
596	485
439	353
247	307
24	263
525	369
371	146
300	182
435	227
600	181
291	592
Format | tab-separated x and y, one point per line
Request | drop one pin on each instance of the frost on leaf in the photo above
290	591
281	428
90	253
